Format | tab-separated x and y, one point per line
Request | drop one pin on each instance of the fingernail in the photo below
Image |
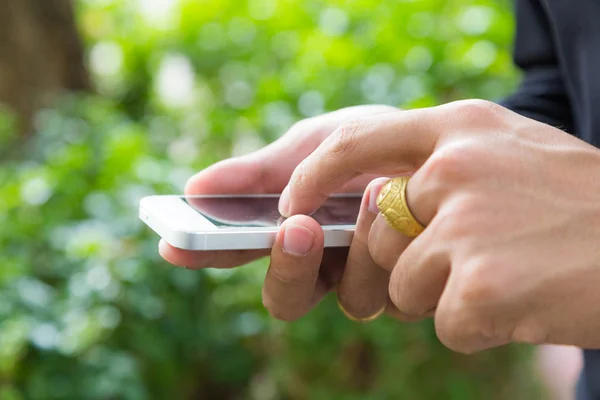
284	202
374	189
297	240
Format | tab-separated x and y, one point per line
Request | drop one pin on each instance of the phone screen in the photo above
262	211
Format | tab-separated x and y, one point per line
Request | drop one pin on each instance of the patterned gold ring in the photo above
392	204
362	320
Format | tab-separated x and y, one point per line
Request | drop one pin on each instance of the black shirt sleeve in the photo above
542	94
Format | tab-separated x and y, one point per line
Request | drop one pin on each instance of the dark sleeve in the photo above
542	94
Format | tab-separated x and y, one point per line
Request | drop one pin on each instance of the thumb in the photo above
292	284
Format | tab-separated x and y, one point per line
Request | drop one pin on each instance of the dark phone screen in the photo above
246	211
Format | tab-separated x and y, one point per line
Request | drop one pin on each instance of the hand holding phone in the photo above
294	284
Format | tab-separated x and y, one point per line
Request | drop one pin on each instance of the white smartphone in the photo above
240	222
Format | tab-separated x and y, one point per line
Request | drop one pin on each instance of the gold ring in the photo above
364	320
392	204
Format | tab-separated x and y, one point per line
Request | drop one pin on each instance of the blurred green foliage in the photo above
87	308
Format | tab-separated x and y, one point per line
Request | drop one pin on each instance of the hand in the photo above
510	252
301	271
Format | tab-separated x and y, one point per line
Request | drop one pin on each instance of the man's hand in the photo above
301	272
511	248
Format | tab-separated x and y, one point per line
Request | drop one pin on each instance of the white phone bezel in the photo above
181	226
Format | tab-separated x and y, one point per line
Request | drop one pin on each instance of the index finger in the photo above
387	144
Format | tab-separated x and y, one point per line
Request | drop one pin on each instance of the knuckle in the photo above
380	252
301	180
292	277
382	259
450	329
462	330
457	221
450	165
379	257
475	105
480	284
408	306
477	111
405	290
299	175
346	139
469	319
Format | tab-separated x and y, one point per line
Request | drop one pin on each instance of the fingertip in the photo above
202	181
373	191
306	222
299	236
191	185
298	241
284	202
234	175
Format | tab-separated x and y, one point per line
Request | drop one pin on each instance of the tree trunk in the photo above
41	55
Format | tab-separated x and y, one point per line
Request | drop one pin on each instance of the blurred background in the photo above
106	101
